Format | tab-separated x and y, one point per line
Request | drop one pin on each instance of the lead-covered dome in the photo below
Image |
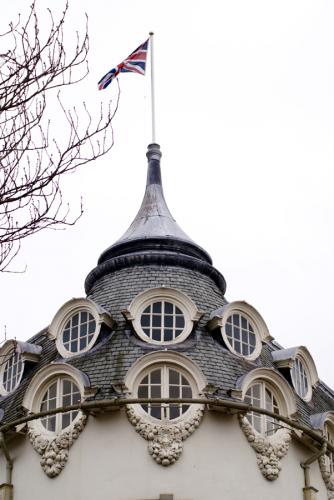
154	237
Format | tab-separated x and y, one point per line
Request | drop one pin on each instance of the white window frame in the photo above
164	368
219	318
285	358
282	390
264	419
39	384
180	299
7	352
299	365
66	312
174	360
59	402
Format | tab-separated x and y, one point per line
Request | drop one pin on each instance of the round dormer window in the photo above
300	379
12	372
162	315
162	321
77	326
79	332
240	334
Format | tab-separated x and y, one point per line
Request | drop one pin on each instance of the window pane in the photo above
83	343
67	387
156	377
145	320
74	346
236	319
83	316
186	392
156	412
157	307
155	391
168	335
66	420
168	320
174	377
142	391
179	322
174	391
74	333
156	334
66	336
169	308
75	320
174	412
156	321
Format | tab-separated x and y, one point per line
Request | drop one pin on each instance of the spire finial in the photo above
153	152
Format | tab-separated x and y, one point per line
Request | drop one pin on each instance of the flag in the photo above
135	63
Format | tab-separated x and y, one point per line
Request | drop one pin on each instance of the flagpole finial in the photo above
151	33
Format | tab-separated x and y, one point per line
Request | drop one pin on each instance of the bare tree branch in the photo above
32	158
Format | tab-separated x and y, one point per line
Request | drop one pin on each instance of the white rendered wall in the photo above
109	461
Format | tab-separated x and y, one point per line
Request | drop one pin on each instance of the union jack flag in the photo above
135	63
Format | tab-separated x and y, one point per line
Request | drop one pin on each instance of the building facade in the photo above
154	386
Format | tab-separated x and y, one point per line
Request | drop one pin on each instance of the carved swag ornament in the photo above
327	476
165	440
55	449
269	449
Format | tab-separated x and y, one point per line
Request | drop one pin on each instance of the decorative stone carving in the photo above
165	440
327	476
55	449
269	450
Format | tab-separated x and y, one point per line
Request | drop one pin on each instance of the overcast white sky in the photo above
245	120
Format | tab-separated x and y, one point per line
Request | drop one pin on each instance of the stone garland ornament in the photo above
327	476
55	449
269	449
165	440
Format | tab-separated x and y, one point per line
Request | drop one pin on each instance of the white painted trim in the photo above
180	299
185	365
284	358
63	315
38	385
252	315
280	387
9	348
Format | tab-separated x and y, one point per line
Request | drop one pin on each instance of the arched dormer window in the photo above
298	367
165	375
242	329
162	315
264	388
77	326
15	355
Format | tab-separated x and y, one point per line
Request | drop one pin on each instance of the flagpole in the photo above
152	88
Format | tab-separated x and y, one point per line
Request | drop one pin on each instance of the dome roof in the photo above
154	237
154	227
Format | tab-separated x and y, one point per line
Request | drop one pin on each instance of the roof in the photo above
155	252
